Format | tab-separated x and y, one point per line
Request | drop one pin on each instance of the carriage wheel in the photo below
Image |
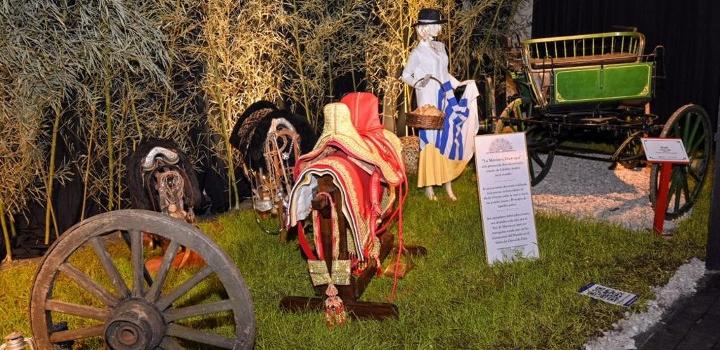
691	124
540	144
541	153
630	153
164	313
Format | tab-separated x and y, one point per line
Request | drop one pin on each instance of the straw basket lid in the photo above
339	131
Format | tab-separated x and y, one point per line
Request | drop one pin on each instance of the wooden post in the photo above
350	293
662	197
712	260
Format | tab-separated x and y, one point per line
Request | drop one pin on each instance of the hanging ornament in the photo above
335	314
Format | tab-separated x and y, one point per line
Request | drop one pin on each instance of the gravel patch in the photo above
588	189
681	284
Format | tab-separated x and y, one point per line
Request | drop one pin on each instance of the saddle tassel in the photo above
335	314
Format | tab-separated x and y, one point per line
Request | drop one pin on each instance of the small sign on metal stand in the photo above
665	152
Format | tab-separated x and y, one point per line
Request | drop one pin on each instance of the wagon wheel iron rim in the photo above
690	123
131	313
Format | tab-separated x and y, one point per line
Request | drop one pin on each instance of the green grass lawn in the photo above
452	299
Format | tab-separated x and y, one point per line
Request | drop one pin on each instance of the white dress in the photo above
444	153
428	57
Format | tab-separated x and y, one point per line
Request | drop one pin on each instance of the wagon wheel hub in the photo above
135	324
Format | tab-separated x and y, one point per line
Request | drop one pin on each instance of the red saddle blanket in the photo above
364	162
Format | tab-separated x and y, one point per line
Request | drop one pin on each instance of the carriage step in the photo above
599	120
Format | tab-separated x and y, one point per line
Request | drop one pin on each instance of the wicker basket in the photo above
410	153
426	117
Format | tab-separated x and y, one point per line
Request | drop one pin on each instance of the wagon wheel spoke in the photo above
695	144
198	310
83	311
88	284
200	337
126	237
75	334
693	175
686	190
678	194
686	127
537	159
162	273
185	287
532	170
695	127
109	267
671	191
138	263
169	343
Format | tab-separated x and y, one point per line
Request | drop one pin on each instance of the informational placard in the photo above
664	150
608	295
505	199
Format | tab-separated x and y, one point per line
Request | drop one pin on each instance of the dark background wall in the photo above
688	29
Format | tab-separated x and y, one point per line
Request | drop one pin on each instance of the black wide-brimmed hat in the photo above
429	16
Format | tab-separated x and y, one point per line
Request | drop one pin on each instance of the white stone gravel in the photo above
682	284
588	189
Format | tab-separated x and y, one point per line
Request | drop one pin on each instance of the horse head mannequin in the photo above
251	129
270	140
145	166
161	178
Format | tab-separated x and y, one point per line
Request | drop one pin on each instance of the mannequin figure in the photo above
444	153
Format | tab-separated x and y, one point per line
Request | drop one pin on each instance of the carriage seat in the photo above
589	60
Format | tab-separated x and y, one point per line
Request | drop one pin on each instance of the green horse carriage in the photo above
564	90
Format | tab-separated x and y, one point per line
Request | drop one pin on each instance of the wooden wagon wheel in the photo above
691	124
140	314
540	144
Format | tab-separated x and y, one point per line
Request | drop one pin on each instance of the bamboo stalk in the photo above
86	175
13	232
51	175
6	235
131	96
54	222
108	129
352	73
223	111
487	37
301	69
120	169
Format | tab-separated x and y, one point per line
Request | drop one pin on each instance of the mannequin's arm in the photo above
408	73
412	73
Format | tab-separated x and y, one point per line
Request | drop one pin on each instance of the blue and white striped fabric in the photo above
452	140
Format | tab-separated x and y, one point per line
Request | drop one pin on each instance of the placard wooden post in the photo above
661	204
665	152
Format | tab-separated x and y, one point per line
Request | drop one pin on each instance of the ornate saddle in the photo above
352	185
364	162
